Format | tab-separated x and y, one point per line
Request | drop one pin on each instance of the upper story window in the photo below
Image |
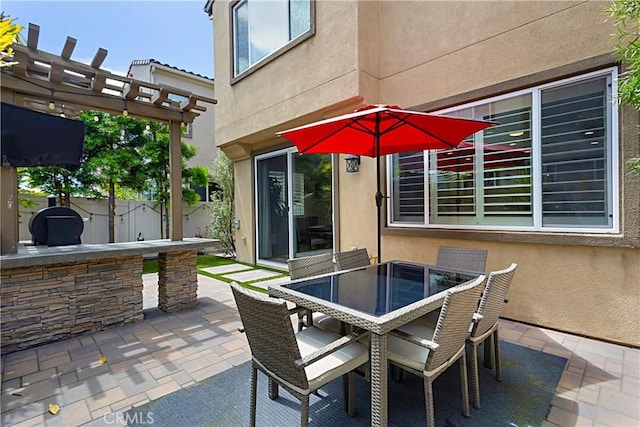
549	165
264	27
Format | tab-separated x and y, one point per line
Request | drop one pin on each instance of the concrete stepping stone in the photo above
248	276
228	268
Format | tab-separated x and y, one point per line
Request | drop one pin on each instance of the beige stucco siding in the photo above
589	290
244	206
457	47
311	78
358	213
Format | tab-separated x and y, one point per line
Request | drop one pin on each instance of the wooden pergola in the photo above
40	78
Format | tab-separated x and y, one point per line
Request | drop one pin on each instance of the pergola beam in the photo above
32	36
191	104
99	82
67	50
22	59
56	72
99	57
108	103
161	97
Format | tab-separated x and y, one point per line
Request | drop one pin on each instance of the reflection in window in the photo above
262	27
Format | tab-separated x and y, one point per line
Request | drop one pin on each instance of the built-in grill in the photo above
56	226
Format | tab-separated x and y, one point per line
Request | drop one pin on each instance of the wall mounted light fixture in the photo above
353	163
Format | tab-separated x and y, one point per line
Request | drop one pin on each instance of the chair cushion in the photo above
326	323
431	320
407	354
335	364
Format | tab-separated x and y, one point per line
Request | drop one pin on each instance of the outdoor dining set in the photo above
358	318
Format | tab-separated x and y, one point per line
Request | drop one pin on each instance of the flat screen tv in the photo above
30	138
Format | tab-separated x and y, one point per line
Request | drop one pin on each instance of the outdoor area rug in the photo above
523	398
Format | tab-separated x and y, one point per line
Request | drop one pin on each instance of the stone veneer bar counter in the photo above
53	293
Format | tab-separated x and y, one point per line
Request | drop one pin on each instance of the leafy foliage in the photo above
626	16
156	169
52	180
223	215
9	35
112	152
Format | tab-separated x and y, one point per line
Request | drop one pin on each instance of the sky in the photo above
177	33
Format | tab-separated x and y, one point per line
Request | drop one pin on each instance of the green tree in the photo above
156	170
51	180
626	17
112	147
222	212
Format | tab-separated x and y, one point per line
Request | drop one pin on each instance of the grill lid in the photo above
56	226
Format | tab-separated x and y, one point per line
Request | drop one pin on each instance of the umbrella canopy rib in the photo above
401	121
321	140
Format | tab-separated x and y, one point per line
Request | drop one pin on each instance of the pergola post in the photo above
9	234
175	179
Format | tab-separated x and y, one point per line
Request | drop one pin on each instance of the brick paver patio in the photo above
147	360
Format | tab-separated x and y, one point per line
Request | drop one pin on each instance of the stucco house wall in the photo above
429	55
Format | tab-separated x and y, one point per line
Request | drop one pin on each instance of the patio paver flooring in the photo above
145	361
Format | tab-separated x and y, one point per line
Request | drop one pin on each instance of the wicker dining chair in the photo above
306	267
310	266
473	260
429	352
352	259
494	297
300	362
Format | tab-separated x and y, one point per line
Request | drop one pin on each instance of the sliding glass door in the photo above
293	206
272	204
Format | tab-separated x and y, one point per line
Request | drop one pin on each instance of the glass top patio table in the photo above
381	288
377	298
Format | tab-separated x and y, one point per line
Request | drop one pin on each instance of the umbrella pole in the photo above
378	205
378	193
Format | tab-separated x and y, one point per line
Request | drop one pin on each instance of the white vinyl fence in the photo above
132	217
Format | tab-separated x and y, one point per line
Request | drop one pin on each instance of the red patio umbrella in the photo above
378	130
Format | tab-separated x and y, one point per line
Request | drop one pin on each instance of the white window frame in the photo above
613	175
238	75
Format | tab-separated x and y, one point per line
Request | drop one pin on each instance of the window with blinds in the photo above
408	187
487	178
506	177
545	165
454	181
574	155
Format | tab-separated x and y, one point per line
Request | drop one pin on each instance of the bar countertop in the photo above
29	256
